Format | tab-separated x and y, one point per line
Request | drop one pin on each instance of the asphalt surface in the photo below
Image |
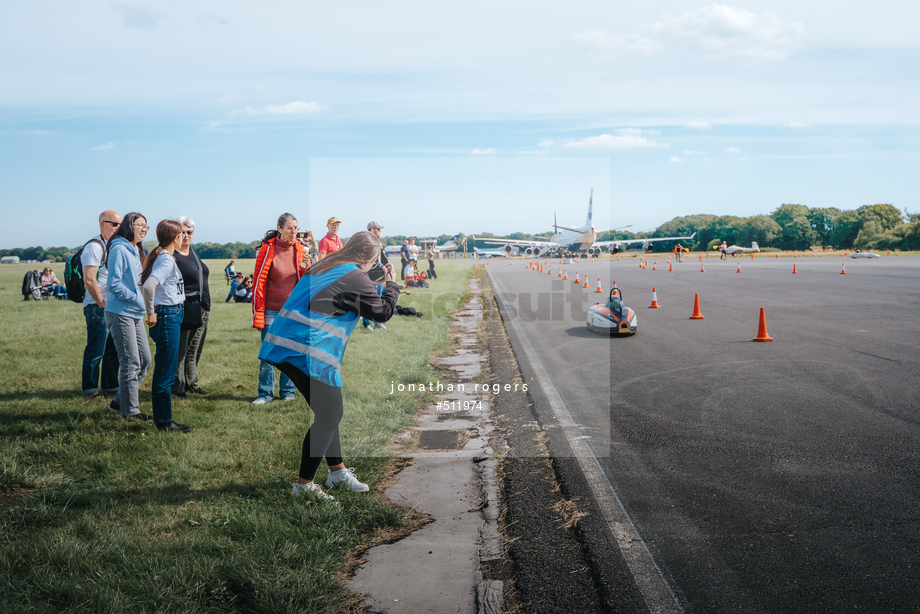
758	477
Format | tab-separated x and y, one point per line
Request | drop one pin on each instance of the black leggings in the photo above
323	436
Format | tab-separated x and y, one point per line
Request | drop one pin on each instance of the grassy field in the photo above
126	518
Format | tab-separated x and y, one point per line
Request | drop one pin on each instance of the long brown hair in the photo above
167	231
361	247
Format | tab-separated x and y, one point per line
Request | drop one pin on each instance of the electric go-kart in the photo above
613	317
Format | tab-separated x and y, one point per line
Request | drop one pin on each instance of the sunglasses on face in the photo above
113	224
188	233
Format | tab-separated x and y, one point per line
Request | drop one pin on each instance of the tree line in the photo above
789	227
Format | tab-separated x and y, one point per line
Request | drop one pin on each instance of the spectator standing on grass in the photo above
164	296
99	355
280	264
124	314
308	342
378	274
191	339
405	255
413	250
430	256
331	242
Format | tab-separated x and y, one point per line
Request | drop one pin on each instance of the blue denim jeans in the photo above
166	335
233	286
267	372
99	351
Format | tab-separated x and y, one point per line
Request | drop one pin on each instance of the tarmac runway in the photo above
757	477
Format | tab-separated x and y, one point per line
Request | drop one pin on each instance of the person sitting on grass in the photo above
243	292
234	284
49	280
306	342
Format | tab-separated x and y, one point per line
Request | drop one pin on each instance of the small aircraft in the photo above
734	250
575	241
494	253
453	243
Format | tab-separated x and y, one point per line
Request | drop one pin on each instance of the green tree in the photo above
823	221
870	232
888	216
797	232
760	228
846	228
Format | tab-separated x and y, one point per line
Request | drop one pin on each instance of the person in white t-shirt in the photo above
99	354
164	298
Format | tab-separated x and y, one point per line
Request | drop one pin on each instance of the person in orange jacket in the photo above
280	264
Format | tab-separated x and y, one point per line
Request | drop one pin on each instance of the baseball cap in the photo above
333	220
373	225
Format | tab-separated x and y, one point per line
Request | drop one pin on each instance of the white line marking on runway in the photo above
659	598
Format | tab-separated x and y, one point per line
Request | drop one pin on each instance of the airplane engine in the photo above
507	249
648	247
530	251
614	249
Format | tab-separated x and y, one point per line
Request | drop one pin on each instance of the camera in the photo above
302	235
377	272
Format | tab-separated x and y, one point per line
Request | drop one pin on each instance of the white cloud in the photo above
699	124
545	143
676	159
733	150
598	39
728	31
607	141
292	108
636	131
797	125
491	151
138	18
109	145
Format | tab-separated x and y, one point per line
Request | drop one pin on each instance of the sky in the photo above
435	119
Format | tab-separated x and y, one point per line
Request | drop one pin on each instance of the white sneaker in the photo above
347	477
369	328
261	401
379	325
288	399
312	490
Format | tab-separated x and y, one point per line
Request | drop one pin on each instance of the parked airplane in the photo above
495	253
575	241
453	243
734	249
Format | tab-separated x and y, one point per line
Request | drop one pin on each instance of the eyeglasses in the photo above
141	226
290	228
114	224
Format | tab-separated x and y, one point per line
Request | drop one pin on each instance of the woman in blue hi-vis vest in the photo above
307	340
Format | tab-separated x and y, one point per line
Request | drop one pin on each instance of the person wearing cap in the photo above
330	243
375	228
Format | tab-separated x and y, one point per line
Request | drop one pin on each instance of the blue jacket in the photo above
124	264
313	342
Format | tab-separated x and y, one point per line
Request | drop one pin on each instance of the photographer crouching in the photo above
307	340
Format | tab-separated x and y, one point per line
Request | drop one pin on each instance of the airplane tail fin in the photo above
754	246
590	207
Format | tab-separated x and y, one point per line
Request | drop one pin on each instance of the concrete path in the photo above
452	479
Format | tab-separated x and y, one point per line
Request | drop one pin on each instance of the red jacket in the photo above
259	286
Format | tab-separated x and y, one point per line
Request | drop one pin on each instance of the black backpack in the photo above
73	273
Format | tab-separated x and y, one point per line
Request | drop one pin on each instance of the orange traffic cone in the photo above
670	266
697	315
487	263
654	304
565	274
702	270
739	268
560	273
576	278
777	256
843	269
586	283
550	271
655	266
794	272
762	334
599	290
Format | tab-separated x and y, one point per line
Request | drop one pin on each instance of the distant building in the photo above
9	260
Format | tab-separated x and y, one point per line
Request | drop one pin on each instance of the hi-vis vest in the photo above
312	342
